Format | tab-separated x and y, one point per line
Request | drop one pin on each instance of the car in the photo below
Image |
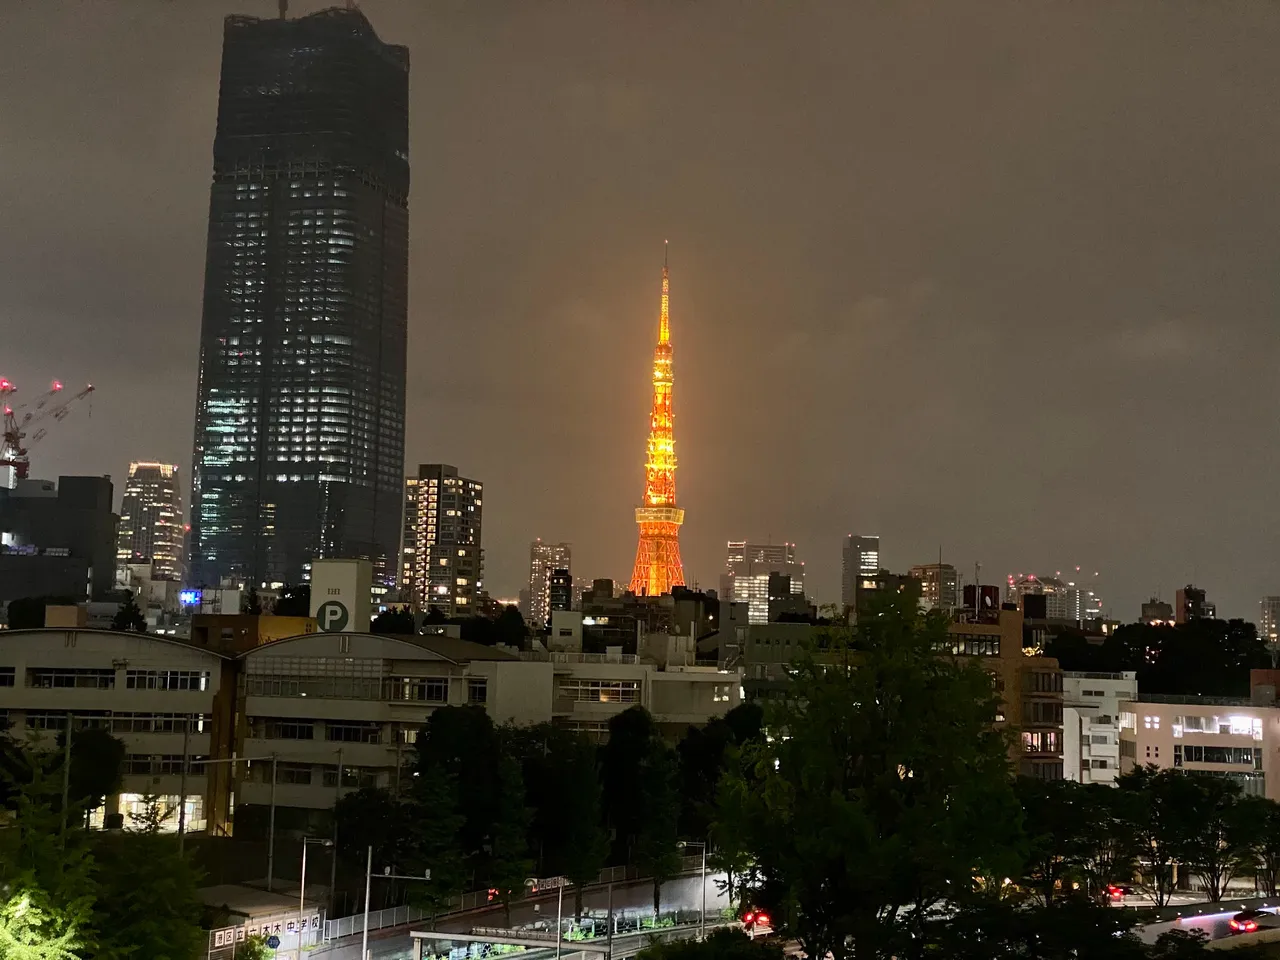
1118	891
1249	921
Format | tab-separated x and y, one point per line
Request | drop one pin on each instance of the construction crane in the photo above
54	404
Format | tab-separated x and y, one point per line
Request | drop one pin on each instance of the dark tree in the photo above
295	601
633	738
563	788
27	613
462	745
1155	809
509	863
433	841
889	796
435	616
510	627
97	766
702	754
394	620
129	617
252	603
1218	838
147	904
1264	814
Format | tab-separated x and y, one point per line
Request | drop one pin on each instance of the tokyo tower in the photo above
658	567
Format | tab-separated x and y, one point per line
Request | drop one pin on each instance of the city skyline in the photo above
866	315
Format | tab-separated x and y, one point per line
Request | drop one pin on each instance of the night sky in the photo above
1002	278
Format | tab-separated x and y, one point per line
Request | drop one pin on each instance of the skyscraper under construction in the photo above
658	567
299	437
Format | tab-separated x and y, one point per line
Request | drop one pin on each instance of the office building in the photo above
1091	723
58	539
861	559
1084	604
299	437
1190	604
543	559
151	529
748	567
1269	619
448	559
939	585
337	711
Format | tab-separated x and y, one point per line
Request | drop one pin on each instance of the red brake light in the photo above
1234	924
762	919
748	918
1250	926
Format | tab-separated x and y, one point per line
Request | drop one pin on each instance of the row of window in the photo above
974	645
303	774
161	764
99	678
600	691
413	689
288	728
1206	754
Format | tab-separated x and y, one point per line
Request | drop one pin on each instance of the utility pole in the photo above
66	774
368	877
182	789
271	827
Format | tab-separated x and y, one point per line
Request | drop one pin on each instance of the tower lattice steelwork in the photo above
658	567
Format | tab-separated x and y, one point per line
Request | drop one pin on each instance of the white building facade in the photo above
1228	737
1091	723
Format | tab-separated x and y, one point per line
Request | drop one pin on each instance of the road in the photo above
631	901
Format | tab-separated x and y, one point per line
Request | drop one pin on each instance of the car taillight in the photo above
1234	924
1250	926
762	919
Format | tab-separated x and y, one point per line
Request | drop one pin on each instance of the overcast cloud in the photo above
1000	278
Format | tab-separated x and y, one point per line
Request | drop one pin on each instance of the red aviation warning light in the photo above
18	420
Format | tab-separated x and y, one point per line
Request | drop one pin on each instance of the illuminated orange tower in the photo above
658	567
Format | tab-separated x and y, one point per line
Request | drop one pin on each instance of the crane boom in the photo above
50	404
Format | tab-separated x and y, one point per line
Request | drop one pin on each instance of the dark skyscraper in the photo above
299	439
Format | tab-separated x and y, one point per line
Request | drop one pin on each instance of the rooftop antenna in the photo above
284	9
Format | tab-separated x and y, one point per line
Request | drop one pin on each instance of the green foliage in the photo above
1072	928
147	904
883	793
1157	805
31	928
129	617
703	753
719	945
394	620
253	948
155	813
1217	833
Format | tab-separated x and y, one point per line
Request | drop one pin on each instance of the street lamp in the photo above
302	887
534	885
702	921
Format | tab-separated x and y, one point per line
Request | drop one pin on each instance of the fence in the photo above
475	900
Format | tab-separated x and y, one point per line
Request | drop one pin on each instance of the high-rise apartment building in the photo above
560	591
1269	619
747	570
543	559
151	528
448	563
299	437
861	559
938	585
